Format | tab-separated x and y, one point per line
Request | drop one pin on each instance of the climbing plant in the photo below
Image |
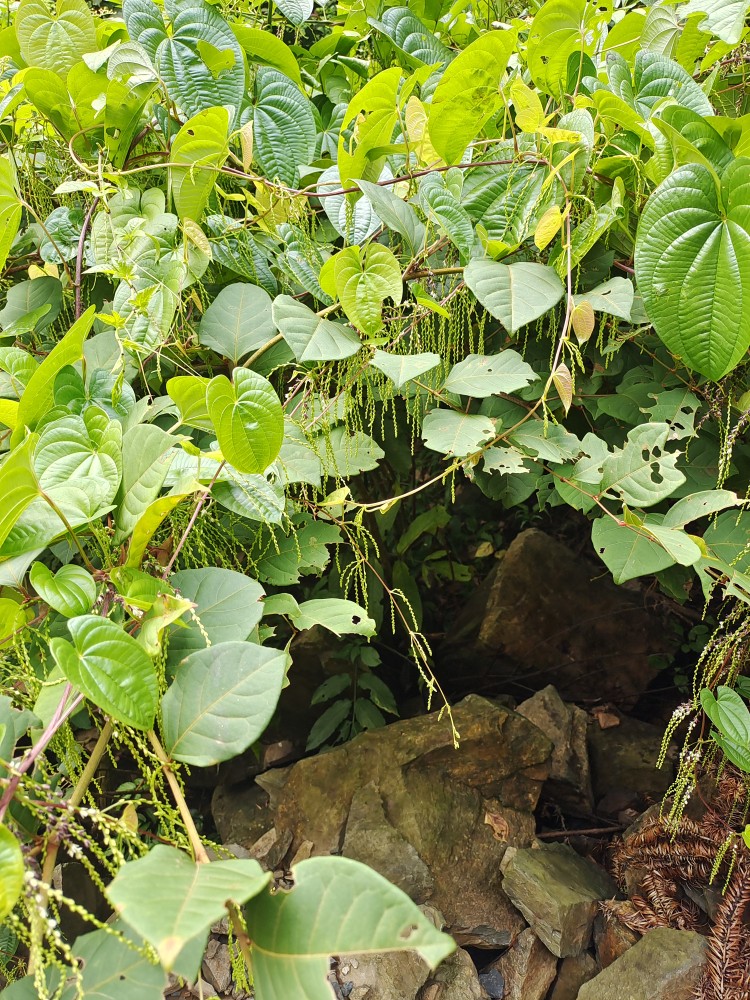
254	250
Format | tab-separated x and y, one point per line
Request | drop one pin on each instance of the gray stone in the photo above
397	975
569	782
241	813
527	968
573	972
217	966
547	616
664	965
623	765
557	891
456	979
434	819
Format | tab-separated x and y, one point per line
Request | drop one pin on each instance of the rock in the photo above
527	968
241	813
611	939
544	614
664	965
623	766
492	983
557	891
456	979
574	971
431	818
569	782
217	966
397	975
371	839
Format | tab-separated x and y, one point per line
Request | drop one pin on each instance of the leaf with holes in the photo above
455	433
626	551
248	419
221	700
643	472
110	668
337	907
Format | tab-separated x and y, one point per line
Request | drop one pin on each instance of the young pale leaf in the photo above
191	897
147	453
627	552
248	419
110	668
583	321
548	227
146	525
312	337
189	393
39	394
221	700
198	151
11	871
18	485
724	18
71	591
337	906
228	607
283	126
266	48
728	712
377	104
482	375
692	263
338	616
403	368
237	322
363	281
563	382
516	294
469	93
643	472
10	207
55	41
454	433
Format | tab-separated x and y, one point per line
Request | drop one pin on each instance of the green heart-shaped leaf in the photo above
71	591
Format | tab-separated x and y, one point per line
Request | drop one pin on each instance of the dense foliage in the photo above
252	251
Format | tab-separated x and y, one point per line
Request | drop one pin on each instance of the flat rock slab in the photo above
431	818
664	965
557	891
623	765
545	613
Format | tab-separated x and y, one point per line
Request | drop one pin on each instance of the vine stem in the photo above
199	851
61	714
79	255
191	522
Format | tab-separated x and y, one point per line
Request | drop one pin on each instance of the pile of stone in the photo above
456	830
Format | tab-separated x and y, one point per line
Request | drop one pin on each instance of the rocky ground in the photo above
527	843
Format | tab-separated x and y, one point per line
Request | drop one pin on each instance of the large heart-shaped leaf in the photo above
724	18
412	37
516	294
363	280
247	418
728	712
198	151
55	41
337	906
110	668
296	11
283	126
454	433
627	552
237	321
483	375
402	368
199	59
191	897
221	700
228	607
692	262
71	590
312	337
468	93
